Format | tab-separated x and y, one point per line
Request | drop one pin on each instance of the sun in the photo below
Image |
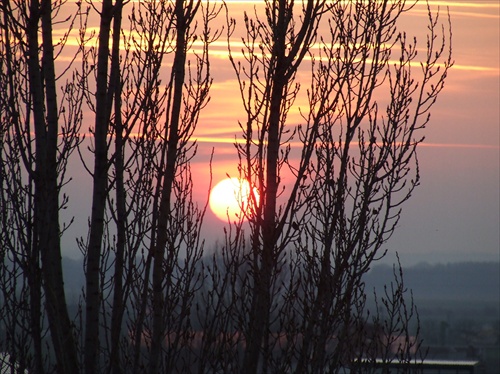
231	198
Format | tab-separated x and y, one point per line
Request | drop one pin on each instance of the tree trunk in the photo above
261	301
159	274
47	189
33	272
121	241
99	193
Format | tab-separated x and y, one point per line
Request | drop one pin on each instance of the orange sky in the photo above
475	51
455	212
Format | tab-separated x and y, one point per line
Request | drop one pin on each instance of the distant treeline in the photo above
468	281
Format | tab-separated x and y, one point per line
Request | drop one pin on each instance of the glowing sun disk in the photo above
231	198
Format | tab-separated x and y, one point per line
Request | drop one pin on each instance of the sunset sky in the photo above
454	214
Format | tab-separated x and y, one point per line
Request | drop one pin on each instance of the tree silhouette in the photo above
283	292
357	165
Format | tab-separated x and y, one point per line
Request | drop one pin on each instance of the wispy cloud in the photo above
459	145
466	4
486	69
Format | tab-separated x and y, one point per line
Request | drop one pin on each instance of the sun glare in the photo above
231	199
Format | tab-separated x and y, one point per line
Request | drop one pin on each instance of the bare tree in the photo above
20	265
105	91
275	49
30	209
31	120
175	219
153	186
357	164
287	296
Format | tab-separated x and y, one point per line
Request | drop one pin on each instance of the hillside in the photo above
467	281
